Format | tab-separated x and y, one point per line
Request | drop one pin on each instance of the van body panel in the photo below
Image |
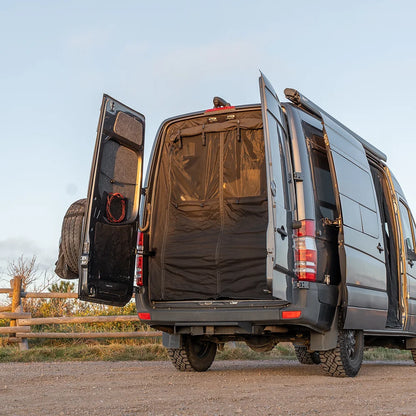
279	239
365	318
109	233
374	300
363	270
359	242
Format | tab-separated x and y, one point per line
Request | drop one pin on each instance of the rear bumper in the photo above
316	303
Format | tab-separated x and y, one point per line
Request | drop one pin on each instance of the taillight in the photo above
305	251
139	260
291	314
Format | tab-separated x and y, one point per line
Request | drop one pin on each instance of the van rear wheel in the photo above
306	357
346	358
194	355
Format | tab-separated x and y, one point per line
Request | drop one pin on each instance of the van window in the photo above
407	229
324	191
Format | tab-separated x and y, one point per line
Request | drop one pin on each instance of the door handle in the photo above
380	248
411	262
282	232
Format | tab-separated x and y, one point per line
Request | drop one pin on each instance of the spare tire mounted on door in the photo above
67	264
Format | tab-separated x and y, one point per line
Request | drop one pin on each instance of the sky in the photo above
355	59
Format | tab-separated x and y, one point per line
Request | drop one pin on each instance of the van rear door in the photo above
279	238
360	240
109	233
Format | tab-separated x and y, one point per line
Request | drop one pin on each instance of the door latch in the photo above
380	248
273	187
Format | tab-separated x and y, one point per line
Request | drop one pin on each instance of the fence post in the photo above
16	284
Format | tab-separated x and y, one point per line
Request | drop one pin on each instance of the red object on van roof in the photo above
210	110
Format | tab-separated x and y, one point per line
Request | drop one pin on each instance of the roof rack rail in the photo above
301	101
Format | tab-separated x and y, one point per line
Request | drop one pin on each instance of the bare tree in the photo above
24	267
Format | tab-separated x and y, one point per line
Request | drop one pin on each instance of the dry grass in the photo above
143	350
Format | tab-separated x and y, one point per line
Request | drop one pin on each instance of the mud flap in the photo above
327	340
171	340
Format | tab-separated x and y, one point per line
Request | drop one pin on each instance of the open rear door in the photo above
109	233
279	239
360	241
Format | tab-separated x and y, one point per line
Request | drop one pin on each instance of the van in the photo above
260	223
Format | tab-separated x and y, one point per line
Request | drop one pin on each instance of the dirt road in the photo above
229	388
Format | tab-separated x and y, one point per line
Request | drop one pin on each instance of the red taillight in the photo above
140	239
139	260
307	276
139	270
306	255
307	229
291	314
144	316
305	251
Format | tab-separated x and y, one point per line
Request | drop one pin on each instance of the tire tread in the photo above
180	360
414	355
304	356
335	362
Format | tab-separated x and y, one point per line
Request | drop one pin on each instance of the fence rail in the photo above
20	322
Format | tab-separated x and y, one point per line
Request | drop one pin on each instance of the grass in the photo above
85	352
131	350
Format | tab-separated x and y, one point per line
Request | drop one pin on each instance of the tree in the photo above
24	267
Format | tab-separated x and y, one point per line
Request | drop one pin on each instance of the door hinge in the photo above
84	260
273	187
298	176
337	222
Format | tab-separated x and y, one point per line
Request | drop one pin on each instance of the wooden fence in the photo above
19	329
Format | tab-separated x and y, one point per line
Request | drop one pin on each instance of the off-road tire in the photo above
67	264
346	358
306	357
195	355
414	355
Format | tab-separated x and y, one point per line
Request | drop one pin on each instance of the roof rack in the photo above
301	101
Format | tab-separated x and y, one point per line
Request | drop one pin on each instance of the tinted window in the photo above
324	191
323	185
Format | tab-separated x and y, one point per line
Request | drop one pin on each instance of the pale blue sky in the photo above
355	59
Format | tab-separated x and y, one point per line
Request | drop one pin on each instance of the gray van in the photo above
258	223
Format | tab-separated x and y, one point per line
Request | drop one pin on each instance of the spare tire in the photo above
67	264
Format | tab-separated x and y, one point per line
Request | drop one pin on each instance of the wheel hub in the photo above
350	338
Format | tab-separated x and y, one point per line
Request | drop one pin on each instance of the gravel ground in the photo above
228	388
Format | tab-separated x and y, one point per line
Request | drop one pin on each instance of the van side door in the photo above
360	240
279	238
408	287
109	235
